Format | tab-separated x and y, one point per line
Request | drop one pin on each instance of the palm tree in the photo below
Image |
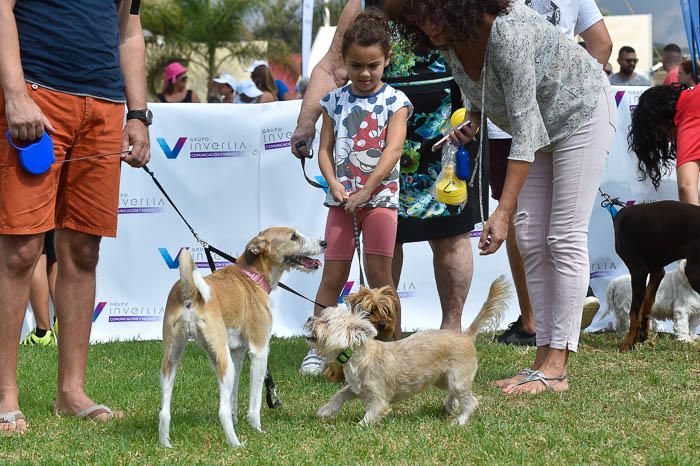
193	30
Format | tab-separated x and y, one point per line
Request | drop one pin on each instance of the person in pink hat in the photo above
175	86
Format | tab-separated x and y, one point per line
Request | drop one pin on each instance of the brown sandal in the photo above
93	412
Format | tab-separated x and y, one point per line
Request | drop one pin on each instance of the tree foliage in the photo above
193	31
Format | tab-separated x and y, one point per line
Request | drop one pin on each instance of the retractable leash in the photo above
37	157
273	400
356	230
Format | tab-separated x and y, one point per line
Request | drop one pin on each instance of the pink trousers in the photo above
554	209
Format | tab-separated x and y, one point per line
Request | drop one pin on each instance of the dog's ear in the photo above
257	246
359	331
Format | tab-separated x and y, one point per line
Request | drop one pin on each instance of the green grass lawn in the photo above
640	407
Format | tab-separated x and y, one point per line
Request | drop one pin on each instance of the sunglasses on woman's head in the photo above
182	78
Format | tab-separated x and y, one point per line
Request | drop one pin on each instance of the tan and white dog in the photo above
380	373
228	314
380	306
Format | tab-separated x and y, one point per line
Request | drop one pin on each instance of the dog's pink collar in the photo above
258	278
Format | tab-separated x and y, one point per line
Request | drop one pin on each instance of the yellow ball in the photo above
458	117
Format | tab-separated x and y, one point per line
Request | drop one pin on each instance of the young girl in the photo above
363	132
666	126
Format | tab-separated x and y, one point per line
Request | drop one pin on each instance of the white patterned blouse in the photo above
541	86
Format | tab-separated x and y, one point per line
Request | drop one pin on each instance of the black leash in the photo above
208	248
271	397
356	230
309	180
609	203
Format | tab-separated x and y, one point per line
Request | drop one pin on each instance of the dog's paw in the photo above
254	422
685	339
326	412
166	442
625	347
451	406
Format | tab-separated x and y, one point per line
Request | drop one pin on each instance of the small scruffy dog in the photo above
381	373
675	300
380	306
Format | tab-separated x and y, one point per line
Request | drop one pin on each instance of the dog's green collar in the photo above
344	357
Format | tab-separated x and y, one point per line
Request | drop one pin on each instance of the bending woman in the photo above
556	102
666	127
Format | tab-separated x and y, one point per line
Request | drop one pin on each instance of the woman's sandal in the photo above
11	418
523	372
93	413
538	376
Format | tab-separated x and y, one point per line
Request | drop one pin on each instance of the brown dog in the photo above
380	305
228	314
648	237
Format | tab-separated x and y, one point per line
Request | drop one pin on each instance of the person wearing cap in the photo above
175	86
248	93
226	87
261	75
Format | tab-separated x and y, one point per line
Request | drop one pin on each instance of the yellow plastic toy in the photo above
450	189
458	117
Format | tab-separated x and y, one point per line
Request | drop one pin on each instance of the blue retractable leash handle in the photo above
37	157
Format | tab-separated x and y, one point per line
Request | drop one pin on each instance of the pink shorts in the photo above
378	227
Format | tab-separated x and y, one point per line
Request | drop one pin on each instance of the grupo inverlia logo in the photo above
172	261
122	311
276	138
203	147
135	204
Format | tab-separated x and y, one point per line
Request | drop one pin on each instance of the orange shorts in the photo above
82	195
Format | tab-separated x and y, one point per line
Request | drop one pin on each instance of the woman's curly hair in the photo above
371	27
649	134
462	18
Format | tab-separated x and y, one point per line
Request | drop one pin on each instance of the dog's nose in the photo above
382	325
323	243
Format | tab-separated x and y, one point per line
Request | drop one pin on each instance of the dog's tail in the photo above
194	288
610	298
492	311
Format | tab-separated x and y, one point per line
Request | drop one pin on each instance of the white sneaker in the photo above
313	364
590	307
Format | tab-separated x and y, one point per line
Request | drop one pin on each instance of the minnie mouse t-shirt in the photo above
359	125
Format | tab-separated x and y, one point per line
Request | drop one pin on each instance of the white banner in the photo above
230	171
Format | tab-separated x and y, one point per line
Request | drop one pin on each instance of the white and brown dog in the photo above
380	373
228	314
675	300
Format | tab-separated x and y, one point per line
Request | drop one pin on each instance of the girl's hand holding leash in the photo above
338	191
355	201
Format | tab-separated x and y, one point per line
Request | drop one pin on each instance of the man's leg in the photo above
18	257
453	266
517	269
77	255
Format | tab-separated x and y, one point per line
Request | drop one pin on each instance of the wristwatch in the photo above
144	115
